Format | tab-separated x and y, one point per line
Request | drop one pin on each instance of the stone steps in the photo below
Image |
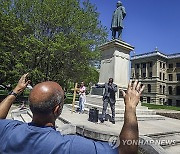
97	100
16	114
167	137
139	111
120	116
19	118
169	141
94	99
26	116
143	113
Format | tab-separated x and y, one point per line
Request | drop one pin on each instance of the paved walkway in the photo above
145	127
165	111
165	130
9	113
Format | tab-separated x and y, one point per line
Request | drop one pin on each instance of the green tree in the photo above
12	31
52	39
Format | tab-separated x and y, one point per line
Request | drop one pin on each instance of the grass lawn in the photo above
69	98
3	92
153	106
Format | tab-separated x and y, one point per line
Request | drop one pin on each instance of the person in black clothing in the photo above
108	97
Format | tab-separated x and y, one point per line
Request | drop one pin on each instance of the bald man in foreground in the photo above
40	137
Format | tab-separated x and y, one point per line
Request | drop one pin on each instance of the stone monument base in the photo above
97	91
115	63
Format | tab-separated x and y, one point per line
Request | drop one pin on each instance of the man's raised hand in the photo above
133	93
22	84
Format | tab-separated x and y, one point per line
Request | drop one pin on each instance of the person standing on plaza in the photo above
82	97
108	97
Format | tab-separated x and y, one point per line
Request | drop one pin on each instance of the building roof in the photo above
155	53
175	55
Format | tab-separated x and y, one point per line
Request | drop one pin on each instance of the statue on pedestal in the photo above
117	20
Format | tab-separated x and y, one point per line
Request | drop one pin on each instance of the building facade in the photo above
160	74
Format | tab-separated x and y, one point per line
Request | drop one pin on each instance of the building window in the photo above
144	65
170	102
170	90
170	77
160	75
144	75
137	75
141	99
148	99
150	74
178	103
132	75
177	64
150	64
178	77
160	89
163	89
163	76
178	90
163	100
170	65
160	65
164	65
137	65
149	88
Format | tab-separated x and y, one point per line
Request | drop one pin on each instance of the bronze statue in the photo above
117	20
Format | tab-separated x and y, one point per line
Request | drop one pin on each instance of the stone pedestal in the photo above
97	91
115	63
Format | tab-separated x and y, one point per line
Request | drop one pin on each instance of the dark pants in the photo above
112	105
119	30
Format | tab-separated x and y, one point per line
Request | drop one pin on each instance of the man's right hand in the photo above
130	131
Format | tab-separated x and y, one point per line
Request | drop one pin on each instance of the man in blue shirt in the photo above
46	103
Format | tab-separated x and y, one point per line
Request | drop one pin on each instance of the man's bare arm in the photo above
7	102
129	133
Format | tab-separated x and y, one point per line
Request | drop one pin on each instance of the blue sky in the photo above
148	24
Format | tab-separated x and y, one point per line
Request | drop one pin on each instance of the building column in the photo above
140	70
146	71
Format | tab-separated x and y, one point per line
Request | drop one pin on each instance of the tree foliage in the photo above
52	39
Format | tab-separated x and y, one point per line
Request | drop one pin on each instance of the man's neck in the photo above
43	121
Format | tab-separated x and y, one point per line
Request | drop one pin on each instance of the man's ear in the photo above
57	110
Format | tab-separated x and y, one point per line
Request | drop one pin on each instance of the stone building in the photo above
160	74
